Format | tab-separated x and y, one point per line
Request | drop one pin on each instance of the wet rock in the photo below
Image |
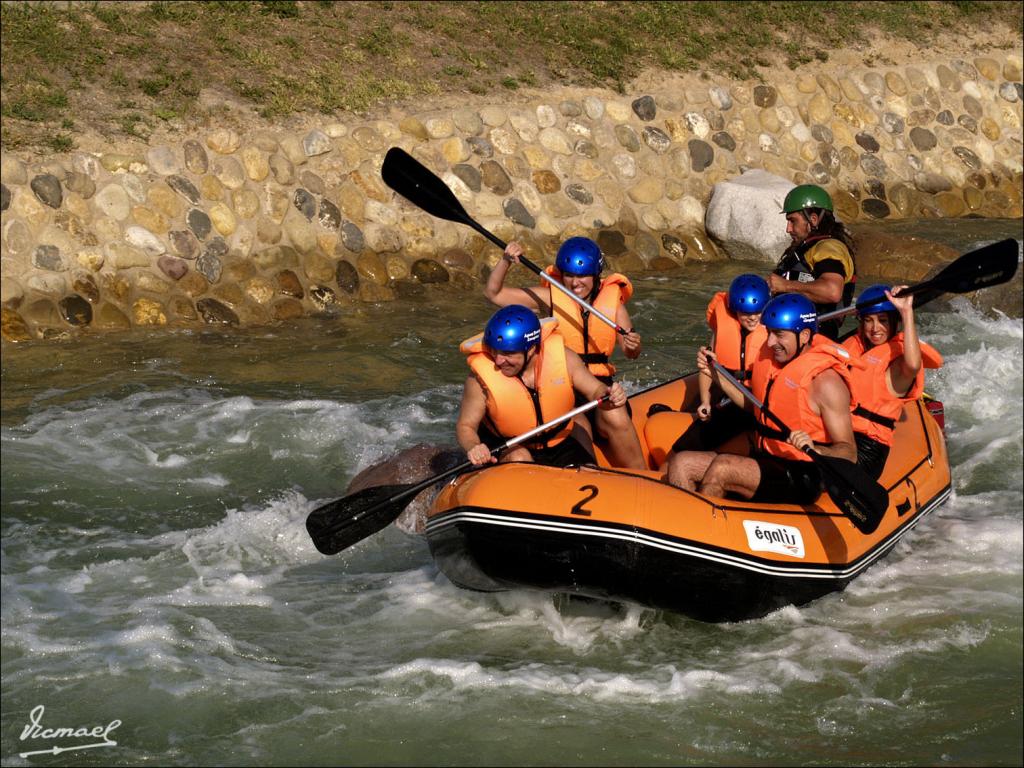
579	193
968	122
645	108
47	189
875	188
352	237
873	165
724	140
867	142
183	187
172	266
305	203
288	284
209	265
347	277
765	96
822	133
213	312
480	146
876	209
945	117
968	157
922	138
13	326
329	216
611	242
675	247
701	154
429	271
184	243
199	223
627	137
5	197
495	178
195	157
75	310
656	139
469	176
323	298
516	211
86	286
931	183
48	257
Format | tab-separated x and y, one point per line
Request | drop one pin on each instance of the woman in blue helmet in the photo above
578	265
803	378
523	376
895	360
737	336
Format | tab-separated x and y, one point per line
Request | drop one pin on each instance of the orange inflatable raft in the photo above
630	536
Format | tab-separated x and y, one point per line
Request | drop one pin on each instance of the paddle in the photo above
991	265
859	497
416	183
341	523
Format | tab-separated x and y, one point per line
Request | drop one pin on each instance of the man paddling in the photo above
803	378
523	376
578	266
819	262
893	375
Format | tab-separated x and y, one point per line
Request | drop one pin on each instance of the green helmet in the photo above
806	196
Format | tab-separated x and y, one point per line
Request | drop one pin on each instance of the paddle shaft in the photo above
420	186
990	265
413	490
750	396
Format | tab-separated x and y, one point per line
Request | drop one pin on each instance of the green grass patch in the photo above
286	57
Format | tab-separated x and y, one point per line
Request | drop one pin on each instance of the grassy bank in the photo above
123	69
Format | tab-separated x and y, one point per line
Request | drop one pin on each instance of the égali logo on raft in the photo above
772	537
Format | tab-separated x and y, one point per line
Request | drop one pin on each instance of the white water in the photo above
156	570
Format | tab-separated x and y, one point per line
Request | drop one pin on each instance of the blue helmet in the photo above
579	256
749	294
790	312
870	294
512	329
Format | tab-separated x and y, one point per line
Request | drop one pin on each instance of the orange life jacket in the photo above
512	408
735	348
878	409
592	339
784	391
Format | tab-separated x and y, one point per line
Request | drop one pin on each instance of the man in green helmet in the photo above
819	264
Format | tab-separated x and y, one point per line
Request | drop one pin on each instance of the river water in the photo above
156	570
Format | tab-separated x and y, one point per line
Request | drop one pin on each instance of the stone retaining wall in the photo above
276	224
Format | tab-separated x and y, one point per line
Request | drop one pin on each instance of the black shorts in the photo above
787	481
871	455
725	423
569	451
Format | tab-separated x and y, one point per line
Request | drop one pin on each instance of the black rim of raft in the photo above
859	496
984	267
341	523
420	186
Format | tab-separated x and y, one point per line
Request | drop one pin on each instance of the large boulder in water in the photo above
744	215
412	465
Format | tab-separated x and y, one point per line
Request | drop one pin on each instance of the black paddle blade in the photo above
992	265
417	184
341	523
856	494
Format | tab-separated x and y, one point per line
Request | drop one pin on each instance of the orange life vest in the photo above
878	409
592	339
784	391
735	348
512	408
